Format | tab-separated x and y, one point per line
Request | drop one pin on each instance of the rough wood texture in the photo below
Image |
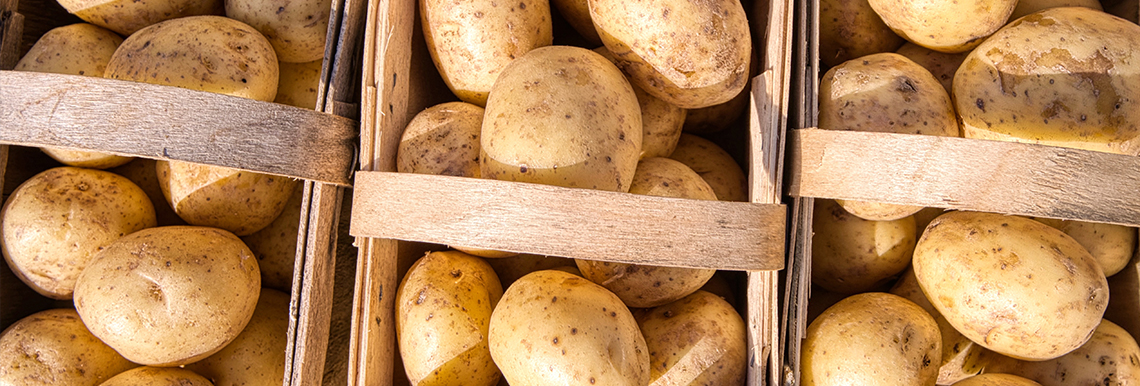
11	33
163	122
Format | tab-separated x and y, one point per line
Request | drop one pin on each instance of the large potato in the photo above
689	53
562	116
238	201
54	348
871	339
852	255
940	64
849	29
257	356
714	165
472	42
1060	77
128	16
946	26
54	224
1025	7
158	376
697	340
443	311
996	380
276	245
1111	357
296	29
660	120
1011	284
169	296
961	358
555	327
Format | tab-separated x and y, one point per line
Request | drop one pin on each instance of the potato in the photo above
1111	245
940	64
128	16
298	83
158	376
512	268
1011	284
944	26
691	54
54	348
849	29
577	13
276	245
442	140
54	224
141	172
996	380
697	340
661	121
471	43
169	296
714	165
552	326
238	201
1111	357
1025	7
443	311
562	116
871	339
719	285
961	358
257	355
924	217
852	255
296	29
1059	77
646	286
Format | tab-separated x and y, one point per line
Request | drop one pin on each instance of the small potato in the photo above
577	13
871	339
945	26
996	380
169	296
1011	284
1025	7
512	268
852	255
1111	357
961	358
128	16
697	340
257	356
1111	245
296	29
56	222
661	121
714	165
238	201
276	245
158	376
141	171
442	140
54	348
940	64
552	325
298	83
849	29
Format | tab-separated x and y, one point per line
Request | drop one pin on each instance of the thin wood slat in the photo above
171	123
11	31
966	174
577	223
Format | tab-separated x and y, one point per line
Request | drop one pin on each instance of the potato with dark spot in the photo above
946	26
849	29
961	358
852	255
54	348
55	223
276	245
871	339
257	356
940	64
661	121
129	16
555	326
1011	284
996	380
442	140
298	83
443	311
697	340
158	376
296	29
169	296
1025	7
714	165
1111	357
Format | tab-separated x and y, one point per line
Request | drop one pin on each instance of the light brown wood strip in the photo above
315	296
162	122
11	31
967	174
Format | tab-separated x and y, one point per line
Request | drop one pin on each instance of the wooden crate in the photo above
323	242
394	220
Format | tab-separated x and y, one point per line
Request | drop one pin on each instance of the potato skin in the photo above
276	245
296	29
1011	284
661	121
129	16
55	223
849	29
714	165
940	64
238	201
553	325
54	348
1025	7
298	82
852	255
697	340
996	380
512	268
944	26
257	356
169	296
442	140
1111	245
141	172
1111	357
961	358
158	376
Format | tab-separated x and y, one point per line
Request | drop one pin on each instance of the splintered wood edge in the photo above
966	174
170	123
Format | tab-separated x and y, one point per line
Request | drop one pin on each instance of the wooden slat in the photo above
11	33
966	174
315	293
163	122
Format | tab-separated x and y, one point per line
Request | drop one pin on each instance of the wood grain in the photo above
11	33
163	122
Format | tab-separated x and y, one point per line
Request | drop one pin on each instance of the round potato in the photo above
996	380
257	356
871	339
296	29
945	26
512	268
158	376
1111	245
553	325
1059	77
577	13
238	201
443	311
1025	7
141	171
1011	284
54	224
697	340
852	255
961	358
691	54
661	121
298	83
562	116
128	16
276	245
54	348
849	29
472	42
714	165
442	140
1111	357
940	64
169	296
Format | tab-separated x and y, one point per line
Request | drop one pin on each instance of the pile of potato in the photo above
911	296
149	252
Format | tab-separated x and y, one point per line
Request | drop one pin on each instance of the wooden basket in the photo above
395	221
318	146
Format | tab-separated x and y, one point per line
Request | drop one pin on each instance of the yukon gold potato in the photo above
442	140
552	326
141	172
940	64
691	54
1111	245
1111	357
1059	77
714	165
257	356
158	376
660	120
512	268
1025	7
996	380
1011	284
238	201
577	13
443	311
276	245
946	26
871	339
646	286
852	255
298	82
961	358
849	29
128	16
54	223
562	116
54	348
472	42
169	296
697	340
296	29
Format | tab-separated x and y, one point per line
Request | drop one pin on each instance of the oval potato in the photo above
946	26
852	255
54	348
158	376
296	29
849	29
714	165
1110	357
257	356
940	64
661	121
129	16
238	201
697	340
442	140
